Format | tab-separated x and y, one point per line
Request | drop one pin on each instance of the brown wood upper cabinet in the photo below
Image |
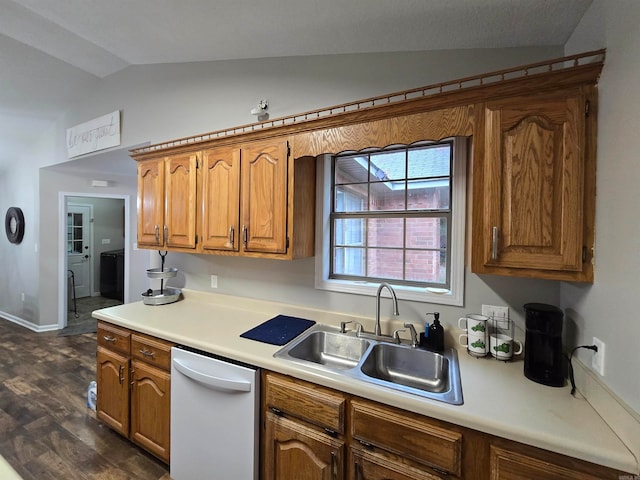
533	187
256	201
167	202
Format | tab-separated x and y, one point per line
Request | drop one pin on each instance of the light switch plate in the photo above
214	281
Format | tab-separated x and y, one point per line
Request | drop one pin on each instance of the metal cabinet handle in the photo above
157	233
356	470
147	353
231	235
494	246
333	465
366	445
131	379
108	338
120	374
245	234
166	233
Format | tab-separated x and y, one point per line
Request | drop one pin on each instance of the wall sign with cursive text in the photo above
97	134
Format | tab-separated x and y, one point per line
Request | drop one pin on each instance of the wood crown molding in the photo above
540	77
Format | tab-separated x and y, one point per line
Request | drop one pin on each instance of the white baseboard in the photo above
617	414
31	326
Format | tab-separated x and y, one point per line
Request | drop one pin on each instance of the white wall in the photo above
20	262
608	309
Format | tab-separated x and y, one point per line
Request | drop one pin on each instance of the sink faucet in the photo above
378	330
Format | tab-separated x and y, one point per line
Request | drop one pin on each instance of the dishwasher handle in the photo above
209	381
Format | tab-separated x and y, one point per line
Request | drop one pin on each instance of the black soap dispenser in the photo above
434	335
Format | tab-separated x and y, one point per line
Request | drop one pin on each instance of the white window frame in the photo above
452	296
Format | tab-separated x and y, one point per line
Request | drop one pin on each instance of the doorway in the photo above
93	254
79	251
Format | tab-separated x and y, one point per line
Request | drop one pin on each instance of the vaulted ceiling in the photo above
51	48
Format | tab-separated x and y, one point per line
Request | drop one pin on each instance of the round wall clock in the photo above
14	224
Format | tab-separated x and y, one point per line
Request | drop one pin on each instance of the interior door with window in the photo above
79	247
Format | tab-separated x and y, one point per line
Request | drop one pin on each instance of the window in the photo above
394	215
74	233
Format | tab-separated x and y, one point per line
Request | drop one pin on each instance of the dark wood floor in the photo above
46	429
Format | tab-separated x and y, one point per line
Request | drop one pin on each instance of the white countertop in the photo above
7	472
498	398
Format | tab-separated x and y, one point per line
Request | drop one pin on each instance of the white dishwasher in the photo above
215	417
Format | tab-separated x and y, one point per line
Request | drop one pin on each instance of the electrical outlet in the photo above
493	311
597	361
214	281
106	241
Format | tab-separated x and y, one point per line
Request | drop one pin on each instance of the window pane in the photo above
387	196
351	169
351	198
426	265
77	246
428	194
388	165
427	232
385	232
349	261
384	263
429	162
348	232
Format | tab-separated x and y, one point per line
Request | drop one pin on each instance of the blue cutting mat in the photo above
279	330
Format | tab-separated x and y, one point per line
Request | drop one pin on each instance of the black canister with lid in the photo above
543	357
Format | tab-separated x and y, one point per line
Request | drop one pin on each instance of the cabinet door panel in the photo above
534	183
150	201
113	390
264	196
180	204
296	452
150	408
221	199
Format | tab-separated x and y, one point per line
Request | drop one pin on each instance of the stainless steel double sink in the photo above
392	365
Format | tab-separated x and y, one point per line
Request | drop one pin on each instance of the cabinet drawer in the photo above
407	435
512	461
151	350
317	405
114	338
370	465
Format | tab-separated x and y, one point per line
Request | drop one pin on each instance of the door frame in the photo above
90	240
62	246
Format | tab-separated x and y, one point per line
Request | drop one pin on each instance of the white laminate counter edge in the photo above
7	472
498	399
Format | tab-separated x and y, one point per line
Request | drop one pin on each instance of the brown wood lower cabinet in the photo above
409	439
134	387
514	461
150	408
303	435
298	452
113	390
313	432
